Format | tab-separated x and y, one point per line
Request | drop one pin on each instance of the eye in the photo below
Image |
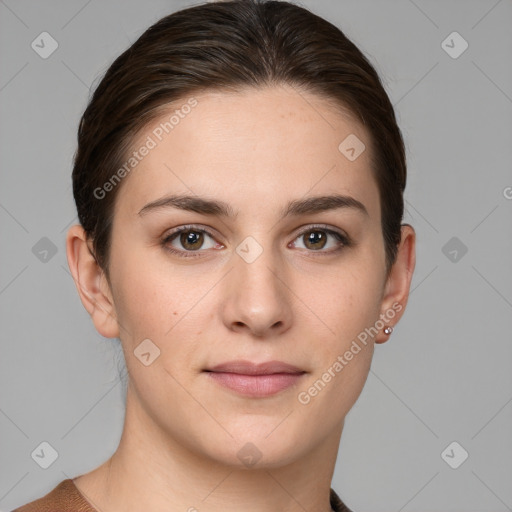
317	238
189	239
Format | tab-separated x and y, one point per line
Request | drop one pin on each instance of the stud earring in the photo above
388	330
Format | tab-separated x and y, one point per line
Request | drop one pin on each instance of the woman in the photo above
239	183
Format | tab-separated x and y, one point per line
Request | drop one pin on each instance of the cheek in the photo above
151	305
168	305
347	301
349	306
343	306
146	298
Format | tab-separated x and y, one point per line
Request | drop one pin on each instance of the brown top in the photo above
67	498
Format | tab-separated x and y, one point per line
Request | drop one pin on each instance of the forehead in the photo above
251	148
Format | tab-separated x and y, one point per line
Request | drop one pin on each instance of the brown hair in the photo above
230	45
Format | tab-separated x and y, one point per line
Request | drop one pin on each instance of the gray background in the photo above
444	376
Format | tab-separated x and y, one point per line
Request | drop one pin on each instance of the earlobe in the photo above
91	282
398	284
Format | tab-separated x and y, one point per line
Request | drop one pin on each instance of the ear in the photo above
91	282
396	290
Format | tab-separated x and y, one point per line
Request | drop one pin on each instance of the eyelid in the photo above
189	227
324	227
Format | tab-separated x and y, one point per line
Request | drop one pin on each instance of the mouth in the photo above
256	380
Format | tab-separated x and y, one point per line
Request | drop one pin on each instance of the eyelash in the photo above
343	239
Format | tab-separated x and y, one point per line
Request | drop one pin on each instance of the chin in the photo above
258	450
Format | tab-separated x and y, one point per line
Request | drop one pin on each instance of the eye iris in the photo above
191	239
314	237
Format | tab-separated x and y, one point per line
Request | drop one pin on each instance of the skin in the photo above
182	431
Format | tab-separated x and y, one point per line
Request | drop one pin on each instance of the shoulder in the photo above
65	497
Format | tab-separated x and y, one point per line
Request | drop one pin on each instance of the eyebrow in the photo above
297	207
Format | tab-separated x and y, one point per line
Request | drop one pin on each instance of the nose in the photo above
257	298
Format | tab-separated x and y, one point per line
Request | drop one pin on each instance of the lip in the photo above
243	367
256	380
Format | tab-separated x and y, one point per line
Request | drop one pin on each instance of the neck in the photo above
152	471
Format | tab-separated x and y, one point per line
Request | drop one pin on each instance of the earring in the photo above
388	330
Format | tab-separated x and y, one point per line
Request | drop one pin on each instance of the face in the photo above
255	266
